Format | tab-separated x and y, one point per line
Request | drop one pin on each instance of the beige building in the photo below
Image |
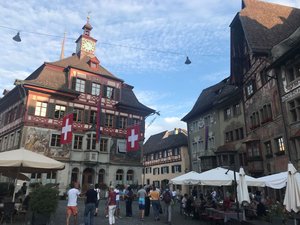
165	156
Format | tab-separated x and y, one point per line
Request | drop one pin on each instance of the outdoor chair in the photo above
8	212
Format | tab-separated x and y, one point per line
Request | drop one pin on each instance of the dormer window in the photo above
94	63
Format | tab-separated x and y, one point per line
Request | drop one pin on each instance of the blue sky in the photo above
144	42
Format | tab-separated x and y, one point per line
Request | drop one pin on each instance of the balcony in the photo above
91	157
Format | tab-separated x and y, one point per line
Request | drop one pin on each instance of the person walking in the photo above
141	194
97	189
128	201
117	190
90	205
154	196
111	204
72	208
167	199
147	201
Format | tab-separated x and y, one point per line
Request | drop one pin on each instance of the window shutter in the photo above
86	116
102	119
172	169
88	87
179	168
31	107
118	122
73	83
104	91
50	110
117	94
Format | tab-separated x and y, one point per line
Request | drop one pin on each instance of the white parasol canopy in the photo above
292	193
224	177
190	178
276	181
242	188
25	161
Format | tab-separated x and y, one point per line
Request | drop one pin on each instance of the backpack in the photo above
167	197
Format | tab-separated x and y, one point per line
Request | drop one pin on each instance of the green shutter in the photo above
88	86
104	93
86	116
31	107
73	83
117	94
102	119
118	122
50	110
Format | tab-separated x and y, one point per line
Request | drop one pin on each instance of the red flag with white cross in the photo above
133	138
66	130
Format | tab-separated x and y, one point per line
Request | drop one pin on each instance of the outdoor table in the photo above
225	215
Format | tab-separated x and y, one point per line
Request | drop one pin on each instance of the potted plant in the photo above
43	203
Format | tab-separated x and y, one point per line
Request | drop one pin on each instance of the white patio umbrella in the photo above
292	193
25	161
190	178
276	181
242	188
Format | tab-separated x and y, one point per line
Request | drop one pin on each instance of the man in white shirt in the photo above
72	208
117	191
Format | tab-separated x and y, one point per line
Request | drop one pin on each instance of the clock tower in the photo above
86	45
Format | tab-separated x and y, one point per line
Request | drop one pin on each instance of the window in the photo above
268	148
263	77
136	121
280	145
156	171
55	140
109	92
95	89
17	138
91	141
80	85
294	110
293	72
254	119
237	109
109	120
253	149
74	176
164	170
119	175
11	140
103	145
176	169
40	109
93	117
78	142
176	151
123	122
51	175
227	114
250	88
130	176
165	154
266	113
101	176
77	115
59	111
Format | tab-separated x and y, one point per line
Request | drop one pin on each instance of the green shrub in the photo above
44	200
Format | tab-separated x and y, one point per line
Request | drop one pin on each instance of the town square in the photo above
150	112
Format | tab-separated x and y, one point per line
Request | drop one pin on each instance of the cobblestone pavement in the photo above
60	216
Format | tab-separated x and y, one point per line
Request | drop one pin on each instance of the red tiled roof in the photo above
266	24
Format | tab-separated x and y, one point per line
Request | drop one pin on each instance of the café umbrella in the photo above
26	161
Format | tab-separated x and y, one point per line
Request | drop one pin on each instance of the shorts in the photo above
72	210
141	203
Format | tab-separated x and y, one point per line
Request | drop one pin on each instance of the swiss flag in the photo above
133	138
66	130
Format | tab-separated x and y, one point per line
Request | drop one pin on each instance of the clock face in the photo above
88	46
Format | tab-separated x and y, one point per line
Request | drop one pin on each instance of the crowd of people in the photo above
161	202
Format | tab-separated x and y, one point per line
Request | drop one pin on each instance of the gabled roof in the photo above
211	97
157	142
129	100
266	24
82	63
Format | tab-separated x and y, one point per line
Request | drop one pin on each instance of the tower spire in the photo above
62	53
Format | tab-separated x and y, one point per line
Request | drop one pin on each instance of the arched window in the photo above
101	176
119	176
130	176
74	176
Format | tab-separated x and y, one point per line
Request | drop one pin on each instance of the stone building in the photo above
254	31
31	117
165	156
